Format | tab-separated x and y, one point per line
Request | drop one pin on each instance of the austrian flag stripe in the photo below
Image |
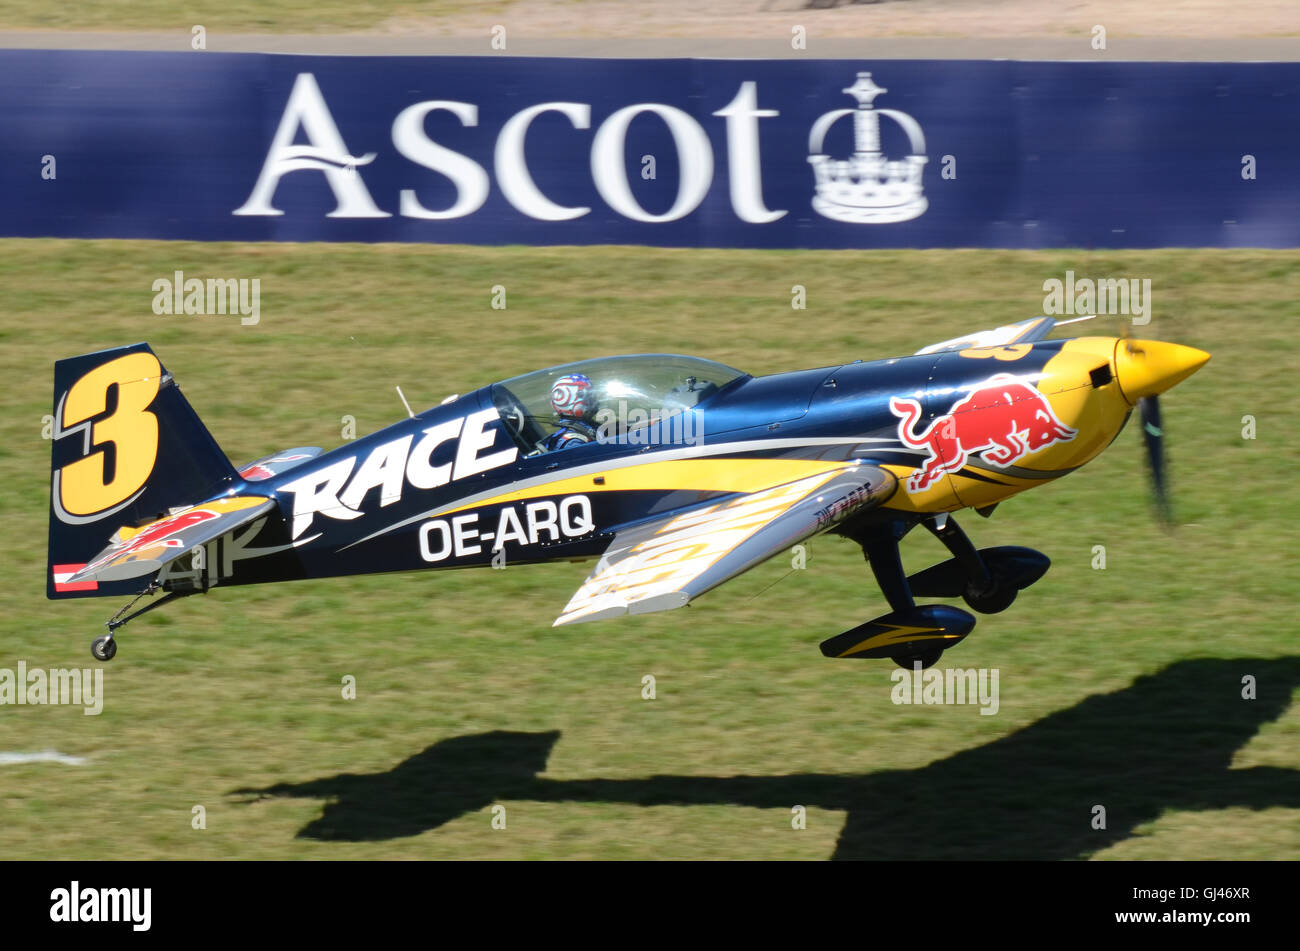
63	572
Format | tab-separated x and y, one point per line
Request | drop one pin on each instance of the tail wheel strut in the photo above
104	647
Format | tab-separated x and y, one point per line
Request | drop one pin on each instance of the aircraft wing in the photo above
140	552
1026	331
664	563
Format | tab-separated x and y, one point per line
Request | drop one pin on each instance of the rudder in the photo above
127	447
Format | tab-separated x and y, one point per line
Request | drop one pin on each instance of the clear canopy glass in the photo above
632	393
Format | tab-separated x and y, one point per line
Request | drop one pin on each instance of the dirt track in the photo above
969	18
1015	29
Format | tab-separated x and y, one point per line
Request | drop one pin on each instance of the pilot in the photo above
573	398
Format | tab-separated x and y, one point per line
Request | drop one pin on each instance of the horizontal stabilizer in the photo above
141	552
277	463
1026	331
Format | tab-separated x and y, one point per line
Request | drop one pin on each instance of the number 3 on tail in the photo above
84	488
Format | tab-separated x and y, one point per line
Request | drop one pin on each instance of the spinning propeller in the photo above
1154	437
1145	369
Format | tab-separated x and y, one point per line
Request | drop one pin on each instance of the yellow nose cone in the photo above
1147	367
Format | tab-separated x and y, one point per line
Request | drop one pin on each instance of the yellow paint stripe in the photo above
944	494
704	475
900	635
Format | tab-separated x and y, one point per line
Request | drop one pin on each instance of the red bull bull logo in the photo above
161	533
1003	418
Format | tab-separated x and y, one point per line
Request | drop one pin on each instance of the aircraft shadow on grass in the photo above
1165	742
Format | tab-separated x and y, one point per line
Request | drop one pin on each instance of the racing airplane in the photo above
674	473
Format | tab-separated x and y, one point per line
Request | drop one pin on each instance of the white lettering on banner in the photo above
743	164
468	176
326	153
694	159
512	168
333	491
868	187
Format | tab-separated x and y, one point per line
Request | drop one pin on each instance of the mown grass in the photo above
241	689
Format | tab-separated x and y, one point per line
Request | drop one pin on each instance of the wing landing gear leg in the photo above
986	591
908	635
988	579
881	552
958	543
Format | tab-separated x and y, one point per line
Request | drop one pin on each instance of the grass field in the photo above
1119	687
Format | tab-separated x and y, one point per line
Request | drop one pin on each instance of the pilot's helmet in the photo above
573	396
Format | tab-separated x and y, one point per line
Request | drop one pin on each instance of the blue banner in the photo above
711	153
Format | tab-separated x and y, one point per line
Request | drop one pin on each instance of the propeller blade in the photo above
1154	436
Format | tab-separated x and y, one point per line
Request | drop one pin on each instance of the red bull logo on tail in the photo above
1004	418
161	533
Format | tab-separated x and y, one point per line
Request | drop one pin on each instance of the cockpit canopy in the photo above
633	394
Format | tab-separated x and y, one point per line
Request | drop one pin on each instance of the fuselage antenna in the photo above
404	403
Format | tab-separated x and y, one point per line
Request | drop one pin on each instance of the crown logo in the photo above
867	187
